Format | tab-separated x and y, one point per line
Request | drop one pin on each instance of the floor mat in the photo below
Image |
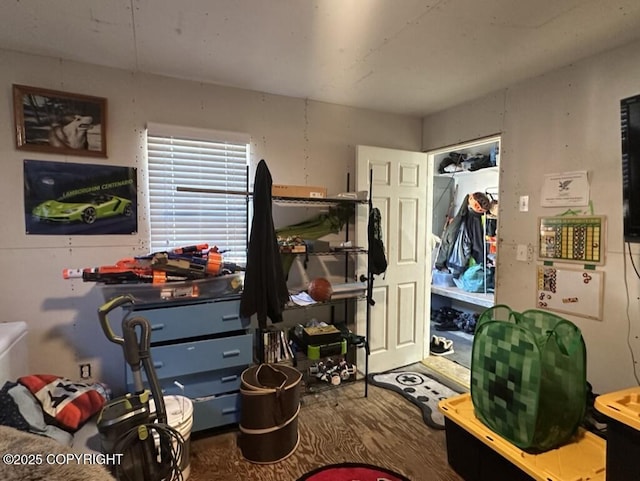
418	388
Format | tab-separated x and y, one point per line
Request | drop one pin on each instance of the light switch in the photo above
524	203
522	254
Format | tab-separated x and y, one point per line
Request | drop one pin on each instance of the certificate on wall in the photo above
565	190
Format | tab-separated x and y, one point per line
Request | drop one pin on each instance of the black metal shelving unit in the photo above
318	202
339	299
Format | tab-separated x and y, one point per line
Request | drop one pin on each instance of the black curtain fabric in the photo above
265	290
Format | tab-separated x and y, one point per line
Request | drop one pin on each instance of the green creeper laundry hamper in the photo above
528	377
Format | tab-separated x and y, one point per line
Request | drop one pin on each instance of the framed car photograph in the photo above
59	122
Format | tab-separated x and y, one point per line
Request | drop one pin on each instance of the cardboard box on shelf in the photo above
301	191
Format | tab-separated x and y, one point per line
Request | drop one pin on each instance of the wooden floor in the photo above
336	426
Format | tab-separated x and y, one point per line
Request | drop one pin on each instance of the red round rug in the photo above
352	472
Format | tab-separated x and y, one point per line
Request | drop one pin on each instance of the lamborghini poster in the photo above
63	198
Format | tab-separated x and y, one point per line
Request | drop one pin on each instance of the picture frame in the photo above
57	122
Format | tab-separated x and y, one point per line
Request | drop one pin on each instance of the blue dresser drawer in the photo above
201	356
193	320
216	411
199	385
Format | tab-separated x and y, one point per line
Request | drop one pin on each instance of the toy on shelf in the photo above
179	264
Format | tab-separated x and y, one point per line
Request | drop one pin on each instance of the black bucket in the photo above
270	397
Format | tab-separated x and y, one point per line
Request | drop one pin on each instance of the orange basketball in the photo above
320	289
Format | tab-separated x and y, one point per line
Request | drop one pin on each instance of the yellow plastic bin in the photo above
623	433
478	454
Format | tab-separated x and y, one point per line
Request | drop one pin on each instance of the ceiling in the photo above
403	56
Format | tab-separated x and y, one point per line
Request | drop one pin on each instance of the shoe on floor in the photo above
441	346
437	340
449	325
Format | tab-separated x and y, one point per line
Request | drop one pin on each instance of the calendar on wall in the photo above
578	239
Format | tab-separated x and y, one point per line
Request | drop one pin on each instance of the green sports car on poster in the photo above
85	208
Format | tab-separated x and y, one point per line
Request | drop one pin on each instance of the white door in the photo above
402	301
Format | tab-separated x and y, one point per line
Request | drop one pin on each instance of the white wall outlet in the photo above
85	371
522	253
524	203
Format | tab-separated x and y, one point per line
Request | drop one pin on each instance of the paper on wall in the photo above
565	189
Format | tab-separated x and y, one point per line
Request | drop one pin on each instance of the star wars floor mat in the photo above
420	389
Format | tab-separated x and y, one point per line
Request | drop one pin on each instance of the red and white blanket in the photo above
68	403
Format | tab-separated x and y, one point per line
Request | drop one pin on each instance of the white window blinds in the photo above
200	159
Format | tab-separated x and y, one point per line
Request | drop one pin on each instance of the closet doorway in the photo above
464	250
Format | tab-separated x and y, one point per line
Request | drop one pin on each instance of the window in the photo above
180	157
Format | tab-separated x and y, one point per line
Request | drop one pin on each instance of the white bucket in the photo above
180	417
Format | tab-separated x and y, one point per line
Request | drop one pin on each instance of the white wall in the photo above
303	142
563	121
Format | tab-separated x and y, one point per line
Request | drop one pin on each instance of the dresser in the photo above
199	350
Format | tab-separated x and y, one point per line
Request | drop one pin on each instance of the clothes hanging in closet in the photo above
463	239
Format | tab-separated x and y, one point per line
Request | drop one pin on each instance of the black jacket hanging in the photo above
450	235
265	290
377	257
463	238
475	231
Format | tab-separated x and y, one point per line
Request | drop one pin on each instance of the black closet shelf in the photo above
278	199
305	201
291	306
328	253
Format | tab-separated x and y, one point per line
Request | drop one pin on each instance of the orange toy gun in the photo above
180	264
125	270
190	262
192	249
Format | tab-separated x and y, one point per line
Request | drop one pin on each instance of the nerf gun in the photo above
192	262
198	249
125	270
184	263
